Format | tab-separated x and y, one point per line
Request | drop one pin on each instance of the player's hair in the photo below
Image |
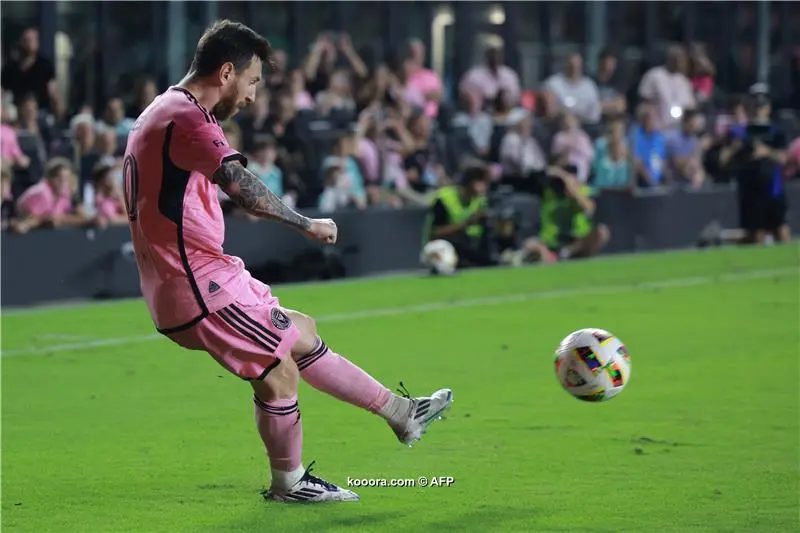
55	166
475	172
229	42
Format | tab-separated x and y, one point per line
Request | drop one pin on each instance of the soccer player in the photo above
202	299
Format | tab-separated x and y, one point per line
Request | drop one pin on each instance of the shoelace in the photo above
404	391
314	480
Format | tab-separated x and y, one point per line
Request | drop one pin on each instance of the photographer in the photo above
458	215
756	157
566	214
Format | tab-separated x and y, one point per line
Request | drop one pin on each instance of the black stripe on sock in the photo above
234	322
307	363
271	409
255	324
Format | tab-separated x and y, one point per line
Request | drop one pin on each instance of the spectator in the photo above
422	161
338	96
685	152
84	149
566	215
35	129
668	89
520	154
10	150
344	184
297	87
9	212
575	91
115	119
282	126
49	202
257	120
322	60
702	72
30	72
108	201
423	80
491	78
263	165
502	106
612	169
478	123
609	85
144	94
375	90
277	79
649	147
575	144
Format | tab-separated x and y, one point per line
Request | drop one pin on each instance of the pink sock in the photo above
333	374
280	428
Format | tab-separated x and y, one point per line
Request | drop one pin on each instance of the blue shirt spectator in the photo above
649	148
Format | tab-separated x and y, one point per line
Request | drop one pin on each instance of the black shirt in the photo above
32	80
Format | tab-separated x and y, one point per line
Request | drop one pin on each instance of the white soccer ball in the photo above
592	365
440	257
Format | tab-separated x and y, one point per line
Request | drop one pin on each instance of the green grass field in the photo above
137	435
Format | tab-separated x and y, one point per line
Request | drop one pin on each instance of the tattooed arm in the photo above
250	193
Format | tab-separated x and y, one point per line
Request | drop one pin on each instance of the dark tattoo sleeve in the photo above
249	192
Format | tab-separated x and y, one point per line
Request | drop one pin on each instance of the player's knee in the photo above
603	234
308	332
280	383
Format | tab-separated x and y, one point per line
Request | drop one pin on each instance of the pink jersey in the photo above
40	201
108	206
175	217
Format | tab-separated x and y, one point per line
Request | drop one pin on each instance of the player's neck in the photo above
207	95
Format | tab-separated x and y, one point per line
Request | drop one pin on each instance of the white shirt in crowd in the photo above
521	156
671	92
581	97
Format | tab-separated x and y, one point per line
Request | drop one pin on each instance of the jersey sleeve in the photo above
203	148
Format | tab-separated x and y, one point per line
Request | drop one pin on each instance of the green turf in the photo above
147	437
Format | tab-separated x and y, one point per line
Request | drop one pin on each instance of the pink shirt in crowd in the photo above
426	81
9	145
489	84
40	201
370	161
108	206
579	149
303	100
177	230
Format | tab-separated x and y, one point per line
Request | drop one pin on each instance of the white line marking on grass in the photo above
437	306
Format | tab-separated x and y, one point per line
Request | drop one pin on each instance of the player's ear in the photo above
226	72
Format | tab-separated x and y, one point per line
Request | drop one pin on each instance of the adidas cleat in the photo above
424	411
311	489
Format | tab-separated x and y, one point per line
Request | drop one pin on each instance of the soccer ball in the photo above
440	257
593	365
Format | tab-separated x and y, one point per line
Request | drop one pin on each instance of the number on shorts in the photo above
130	174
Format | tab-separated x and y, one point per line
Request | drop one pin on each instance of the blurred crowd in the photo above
330	132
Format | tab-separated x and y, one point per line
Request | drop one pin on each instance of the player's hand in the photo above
323	230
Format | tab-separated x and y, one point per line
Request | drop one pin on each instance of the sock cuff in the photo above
278	407
305	361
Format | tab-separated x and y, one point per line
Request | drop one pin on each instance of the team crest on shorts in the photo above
279	319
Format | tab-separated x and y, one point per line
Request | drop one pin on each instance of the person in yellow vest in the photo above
458	215
566	212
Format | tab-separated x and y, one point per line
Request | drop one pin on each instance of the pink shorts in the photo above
249	337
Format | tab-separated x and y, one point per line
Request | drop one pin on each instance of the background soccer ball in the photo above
592	365
440	257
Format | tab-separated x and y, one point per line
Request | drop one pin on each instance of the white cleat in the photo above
424	412
311	489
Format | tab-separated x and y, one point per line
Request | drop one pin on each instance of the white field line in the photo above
438	306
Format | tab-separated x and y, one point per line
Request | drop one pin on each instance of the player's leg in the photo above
242	338
329	372
589	245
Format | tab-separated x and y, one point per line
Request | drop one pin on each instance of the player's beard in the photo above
225	108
